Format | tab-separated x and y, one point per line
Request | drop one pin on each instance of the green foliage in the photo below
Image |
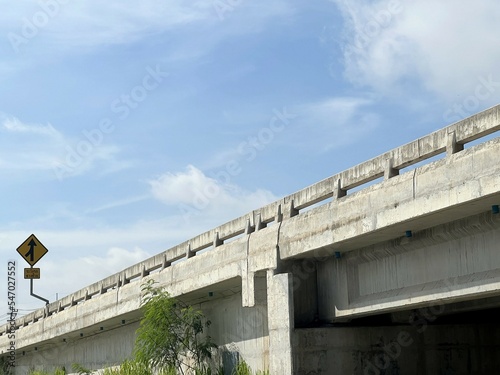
170	336
129	368
57	371
208	371
242	369
5	369
80	369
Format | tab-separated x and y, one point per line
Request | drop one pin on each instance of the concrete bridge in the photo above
380	269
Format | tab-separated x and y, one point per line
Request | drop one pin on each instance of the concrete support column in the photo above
280	322
248	277
248	286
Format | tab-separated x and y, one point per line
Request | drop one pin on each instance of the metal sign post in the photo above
36	295
32	250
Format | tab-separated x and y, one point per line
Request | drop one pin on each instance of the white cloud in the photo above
40	144
180	187
119	203
82	271
94	23
331	123
81	156
446	46
13	124
44	148
89	22
337	110
196	194
311	128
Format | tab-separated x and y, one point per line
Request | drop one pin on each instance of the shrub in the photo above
170	336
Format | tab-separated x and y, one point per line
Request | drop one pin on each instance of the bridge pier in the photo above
281	322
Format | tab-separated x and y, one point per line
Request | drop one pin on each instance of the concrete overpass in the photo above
389	267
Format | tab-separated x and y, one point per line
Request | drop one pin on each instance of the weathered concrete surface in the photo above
458	186
280	304
101	349
241	332
237	330
450	262
398	350
378	270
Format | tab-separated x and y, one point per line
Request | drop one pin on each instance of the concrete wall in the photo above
241	332
97	351
398	350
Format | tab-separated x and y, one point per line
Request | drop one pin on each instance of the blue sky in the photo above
126	128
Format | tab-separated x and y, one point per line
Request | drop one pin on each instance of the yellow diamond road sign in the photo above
32	250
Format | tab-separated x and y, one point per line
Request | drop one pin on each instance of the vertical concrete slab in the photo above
240	332
248	286
333	288
305	290
280	319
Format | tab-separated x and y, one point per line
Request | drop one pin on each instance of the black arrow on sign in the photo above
31	251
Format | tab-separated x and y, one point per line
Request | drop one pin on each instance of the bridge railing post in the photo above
287	210
452	146
338	192
389	170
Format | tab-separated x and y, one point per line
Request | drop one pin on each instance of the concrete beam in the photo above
449	263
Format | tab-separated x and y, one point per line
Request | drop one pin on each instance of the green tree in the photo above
170	336
5	369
